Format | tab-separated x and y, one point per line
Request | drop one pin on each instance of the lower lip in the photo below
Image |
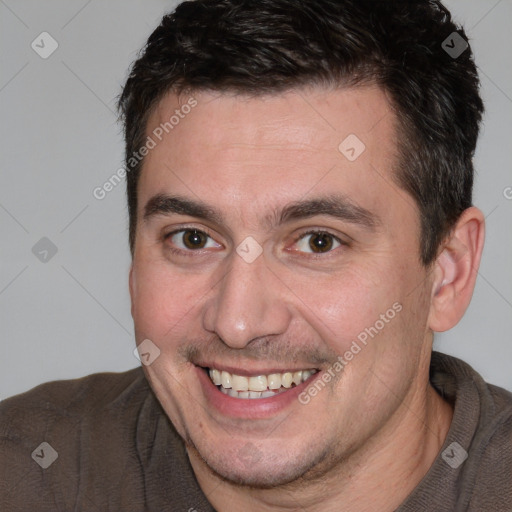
255	408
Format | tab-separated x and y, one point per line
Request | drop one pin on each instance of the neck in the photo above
377	476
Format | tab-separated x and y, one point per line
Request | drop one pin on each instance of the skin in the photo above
372	433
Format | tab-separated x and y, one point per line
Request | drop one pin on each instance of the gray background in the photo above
70	316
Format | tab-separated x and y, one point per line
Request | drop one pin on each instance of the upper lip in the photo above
251	371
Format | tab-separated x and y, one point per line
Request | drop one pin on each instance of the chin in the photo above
258	477
250	467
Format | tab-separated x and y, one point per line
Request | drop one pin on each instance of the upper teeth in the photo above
260	382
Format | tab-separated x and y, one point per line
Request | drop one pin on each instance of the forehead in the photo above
283	120
246	153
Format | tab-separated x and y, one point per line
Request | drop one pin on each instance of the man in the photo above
299	180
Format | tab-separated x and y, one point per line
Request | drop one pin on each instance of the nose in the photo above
248	303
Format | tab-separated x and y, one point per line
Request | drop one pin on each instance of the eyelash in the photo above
181	252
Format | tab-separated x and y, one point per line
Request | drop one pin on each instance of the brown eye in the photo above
318	242
192	239
322	242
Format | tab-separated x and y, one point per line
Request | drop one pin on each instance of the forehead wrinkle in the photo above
284	145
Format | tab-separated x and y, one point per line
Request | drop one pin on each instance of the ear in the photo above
131	285
456	269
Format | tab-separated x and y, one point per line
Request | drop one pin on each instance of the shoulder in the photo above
493	476
496	425
78	397
49	434
483	423
490	406
501	399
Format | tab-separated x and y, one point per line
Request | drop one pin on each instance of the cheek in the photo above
161	299
342	306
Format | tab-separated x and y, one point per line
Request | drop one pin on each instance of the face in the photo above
277	270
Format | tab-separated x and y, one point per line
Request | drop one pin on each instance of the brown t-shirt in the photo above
103	443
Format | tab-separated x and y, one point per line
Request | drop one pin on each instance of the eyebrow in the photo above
337	206
162	204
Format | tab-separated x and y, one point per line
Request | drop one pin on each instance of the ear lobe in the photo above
456	269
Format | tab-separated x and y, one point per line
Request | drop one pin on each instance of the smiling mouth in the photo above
258	386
